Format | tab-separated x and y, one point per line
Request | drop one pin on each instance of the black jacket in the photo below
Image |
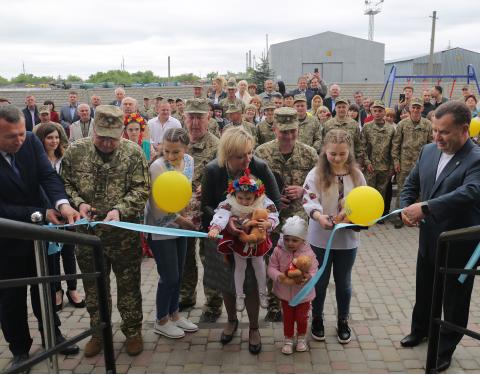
28	118
215	182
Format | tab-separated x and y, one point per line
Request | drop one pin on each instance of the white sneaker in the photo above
169	329
240	303
186	325
263	300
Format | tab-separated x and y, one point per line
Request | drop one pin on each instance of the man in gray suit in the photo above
446	178
68	113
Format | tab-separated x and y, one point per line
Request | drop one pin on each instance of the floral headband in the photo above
246	183
135	117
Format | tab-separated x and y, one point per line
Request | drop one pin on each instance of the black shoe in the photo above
60	306
78	305
317	329
209	317
69	350
398	225
19	359
443	363
254	349
224	338
273	316
412	340
182	306
344	334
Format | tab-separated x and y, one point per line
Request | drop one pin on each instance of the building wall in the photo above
341	58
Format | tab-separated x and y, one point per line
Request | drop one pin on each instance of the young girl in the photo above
326	186
136	130
170	252
291	245
245	194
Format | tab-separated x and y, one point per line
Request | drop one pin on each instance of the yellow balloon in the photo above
171	191
363	205
474	128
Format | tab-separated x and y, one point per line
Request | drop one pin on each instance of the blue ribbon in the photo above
471	263
303	293
133	227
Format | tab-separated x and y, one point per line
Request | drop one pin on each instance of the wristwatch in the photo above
425	209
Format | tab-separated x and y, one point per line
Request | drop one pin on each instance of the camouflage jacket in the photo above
180	118
147	114
408	140
119	180
291	171
246	125
351	127
264	133
203	152
238	103
377	143
309	132
213	127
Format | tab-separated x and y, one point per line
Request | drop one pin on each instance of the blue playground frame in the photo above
392	77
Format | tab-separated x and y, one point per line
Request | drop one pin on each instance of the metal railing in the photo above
439	281
39	234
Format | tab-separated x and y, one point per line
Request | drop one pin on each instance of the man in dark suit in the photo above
119	96
330	101
68	113
30	112
24	169
446	178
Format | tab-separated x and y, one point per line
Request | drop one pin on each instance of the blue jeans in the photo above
342	261
170	258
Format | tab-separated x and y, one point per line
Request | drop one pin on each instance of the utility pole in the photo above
371	9
432	43
249	58
266	49
168	67
122	65
23	67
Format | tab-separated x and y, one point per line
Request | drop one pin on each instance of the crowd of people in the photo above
269	172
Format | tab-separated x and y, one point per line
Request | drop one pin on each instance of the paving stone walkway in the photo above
383	296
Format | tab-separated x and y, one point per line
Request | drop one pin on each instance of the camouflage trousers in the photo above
188	289
122	253
380	180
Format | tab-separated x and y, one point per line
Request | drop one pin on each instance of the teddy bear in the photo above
256	235
296	271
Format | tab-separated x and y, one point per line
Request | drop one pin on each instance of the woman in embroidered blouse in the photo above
170	252
326	186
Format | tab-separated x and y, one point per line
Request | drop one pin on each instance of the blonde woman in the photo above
242	92
317	102
323	114
218	92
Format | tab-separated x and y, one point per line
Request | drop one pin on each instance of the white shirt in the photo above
444	159
157	130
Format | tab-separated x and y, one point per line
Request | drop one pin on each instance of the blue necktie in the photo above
14	166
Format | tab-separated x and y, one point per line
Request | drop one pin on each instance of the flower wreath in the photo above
135	117
246	183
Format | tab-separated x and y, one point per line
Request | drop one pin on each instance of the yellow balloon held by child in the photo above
171	191
474	127
363	205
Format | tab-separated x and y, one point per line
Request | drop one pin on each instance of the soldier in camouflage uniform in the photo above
234	114
265	128
342	121
377	138
212	123
411	135
231	98
309	131
290	162
180	112
146	110
106	178
203	148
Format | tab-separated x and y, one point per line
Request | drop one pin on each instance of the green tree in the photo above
210	76
261	74
4	81
74	78
30	78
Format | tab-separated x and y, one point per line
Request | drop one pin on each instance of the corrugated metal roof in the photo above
426	55
323	34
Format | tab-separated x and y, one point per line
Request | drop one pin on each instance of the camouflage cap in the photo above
268	105
341	100
378	103
197	85
231	85
285	118
158	97
197	105
233	108
44	109
416	101
108	121
250	106
300	98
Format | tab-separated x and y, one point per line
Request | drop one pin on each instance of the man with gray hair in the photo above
84	126
267	95
329	102
119	95
129	105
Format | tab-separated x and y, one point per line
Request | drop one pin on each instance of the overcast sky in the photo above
81	38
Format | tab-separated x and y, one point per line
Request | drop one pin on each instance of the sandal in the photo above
287	347
302	345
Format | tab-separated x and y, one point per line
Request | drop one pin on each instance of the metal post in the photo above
436	311
45	297
432	43
104	312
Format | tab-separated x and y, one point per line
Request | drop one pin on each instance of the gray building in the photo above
446	62
339	58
